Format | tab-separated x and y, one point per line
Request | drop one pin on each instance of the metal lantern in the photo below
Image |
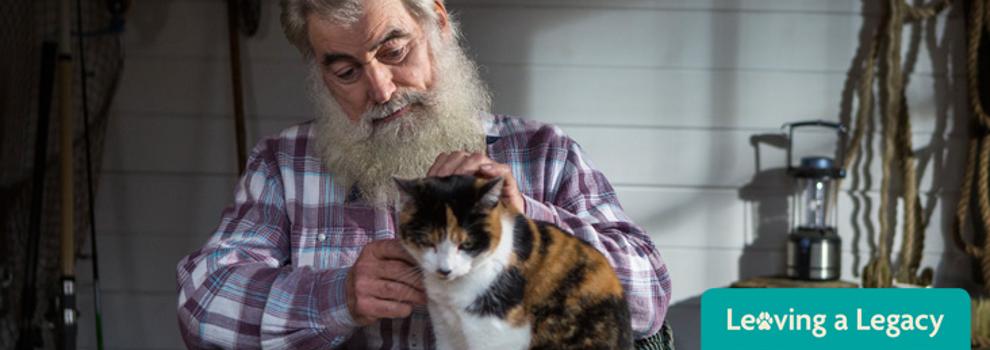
813	245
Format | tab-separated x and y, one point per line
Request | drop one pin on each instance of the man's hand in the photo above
477	164
383	283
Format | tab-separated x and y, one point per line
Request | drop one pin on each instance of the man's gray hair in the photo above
294	13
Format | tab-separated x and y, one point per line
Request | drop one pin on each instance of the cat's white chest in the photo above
456	328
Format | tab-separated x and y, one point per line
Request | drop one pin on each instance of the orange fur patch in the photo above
544	272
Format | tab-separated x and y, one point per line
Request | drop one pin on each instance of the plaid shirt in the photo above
273	273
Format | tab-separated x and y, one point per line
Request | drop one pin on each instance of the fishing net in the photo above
24	26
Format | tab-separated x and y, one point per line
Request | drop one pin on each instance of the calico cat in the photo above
496	279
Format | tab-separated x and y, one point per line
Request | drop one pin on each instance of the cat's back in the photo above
573	296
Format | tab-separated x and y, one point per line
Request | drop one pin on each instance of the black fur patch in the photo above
545	239
504	294
553	312
431	200
555	304
574	278
475	225
522	238
608	315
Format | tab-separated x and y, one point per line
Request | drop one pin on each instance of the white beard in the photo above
445	119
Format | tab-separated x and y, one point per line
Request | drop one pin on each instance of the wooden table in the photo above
784	282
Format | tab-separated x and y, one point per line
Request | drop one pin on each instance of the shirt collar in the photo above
492	134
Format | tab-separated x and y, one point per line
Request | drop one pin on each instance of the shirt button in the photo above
321	237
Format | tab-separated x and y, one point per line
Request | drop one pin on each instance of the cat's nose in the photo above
443	272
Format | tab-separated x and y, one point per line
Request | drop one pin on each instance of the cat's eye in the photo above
467	245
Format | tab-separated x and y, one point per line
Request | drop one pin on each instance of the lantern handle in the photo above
839	128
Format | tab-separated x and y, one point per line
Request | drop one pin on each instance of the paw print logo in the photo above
763	321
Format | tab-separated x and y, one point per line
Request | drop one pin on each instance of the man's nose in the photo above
380	85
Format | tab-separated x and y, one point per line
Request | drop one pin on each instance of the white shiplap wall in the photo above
667	96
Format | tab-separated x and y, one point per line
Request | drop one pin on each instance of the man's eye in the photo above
393	55
347	74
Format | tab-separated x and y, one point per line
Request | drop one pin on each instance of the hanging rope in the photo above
865	104
979	146
897	148
877	272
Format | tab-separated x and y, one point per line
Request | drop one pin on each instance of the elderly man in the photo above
306	256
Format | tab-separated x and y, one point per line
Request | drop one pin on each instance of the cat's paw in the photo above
763	321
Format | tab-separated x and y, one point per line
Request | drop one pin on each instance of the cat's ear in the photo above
408	187
491	191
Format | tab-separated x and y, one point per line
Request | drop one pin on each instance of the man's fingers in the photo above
381	308
389	290
392	262
399	271
389	249
384	282
472	164
510	190
490	170
437	163
395	291
451	163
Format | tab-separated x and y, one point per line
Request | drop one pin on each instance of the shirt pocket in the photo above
337	241
330	247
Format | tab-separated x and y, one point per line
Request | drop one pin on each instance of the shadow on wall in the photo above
858	176
768	192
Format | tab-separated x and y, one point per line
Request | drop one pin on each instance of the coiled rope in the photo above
978	160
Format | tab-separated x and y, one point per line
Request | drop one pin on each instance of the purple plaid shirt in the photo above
272	275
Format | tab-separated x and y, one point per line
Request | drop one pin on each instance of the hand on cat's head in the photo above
479	165
484	193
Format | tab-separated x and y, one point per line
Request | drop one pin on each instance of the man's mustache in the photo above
399	100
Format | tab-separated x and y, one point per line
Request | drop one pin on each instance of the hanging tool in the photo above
67	291
30	334
97	306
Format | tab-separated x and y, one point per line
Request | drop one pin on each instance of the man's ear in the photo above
491	192
443	22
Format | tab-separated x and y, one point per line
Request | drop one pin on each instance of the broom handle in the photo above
67	314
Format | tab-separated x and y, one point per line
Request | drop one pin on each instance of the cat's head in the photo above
450	224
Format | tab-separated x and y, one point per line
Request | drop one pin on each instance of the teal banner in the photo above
853	318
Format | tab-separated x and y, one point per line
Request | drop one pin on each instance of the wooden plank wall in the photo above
677	101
